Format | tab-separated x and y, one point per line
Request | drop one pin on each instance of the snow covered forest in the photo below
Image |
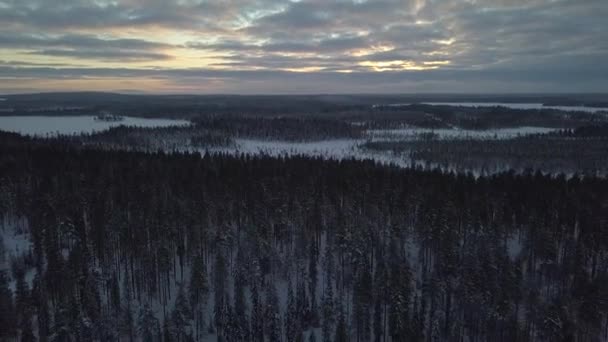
112	245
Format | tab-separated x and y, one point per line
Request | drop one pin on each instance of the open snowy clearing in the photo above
328	149
350	148
331	149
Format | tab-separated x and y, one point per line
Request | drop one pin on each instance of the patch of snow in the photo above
328	149
14	244
52	125
340	149
14	237
514	246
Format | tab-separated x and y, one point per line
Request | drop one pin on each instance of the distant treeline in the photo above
215	131
554	153
599	131
504	117
147	139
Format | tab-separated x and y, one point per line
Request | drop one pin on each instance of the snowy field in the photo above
328	149
511	105
52	125
350	148
331	149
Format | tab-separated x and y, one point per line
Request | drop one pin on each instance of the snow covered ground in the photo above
331	149
51	125
351	148
15	244
511	105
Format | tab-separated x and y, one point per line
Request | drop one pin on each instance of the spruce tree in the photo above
147	324
257	316
8	313
181	315
327	307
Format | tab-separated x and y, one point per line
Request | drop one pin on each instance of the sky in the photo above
304	47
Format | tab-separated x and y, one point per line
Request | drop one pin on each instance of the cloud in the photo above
367	45
20	40
80	46
104	55
322	46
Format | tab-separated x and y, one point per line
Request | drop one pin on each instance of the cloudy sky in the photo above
316	46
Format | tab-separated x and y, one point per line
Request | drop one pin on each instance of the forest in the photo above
446	116
582	151
212	131
377	109
180	246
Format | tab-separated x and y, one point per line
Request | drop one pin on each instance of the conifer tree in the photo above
327	326
8	312
257	316
291	315
181	315
272	314
147	324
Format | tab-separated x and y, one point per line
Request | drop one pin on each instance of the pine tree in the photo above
312	283
257	316
362	302
127	321
199	292
40	300
62	325
221	300
291	315
199	287
341	329
22	295
84	327
399	298
303	315
378	321
272	313
115	294
7	309
181	315
27	335
167	333
91	301
240	309
230	331
105	329
381	288
327	325
147	324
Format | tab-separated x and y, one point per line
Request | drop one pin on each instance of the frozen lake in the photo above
511	105
53	125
